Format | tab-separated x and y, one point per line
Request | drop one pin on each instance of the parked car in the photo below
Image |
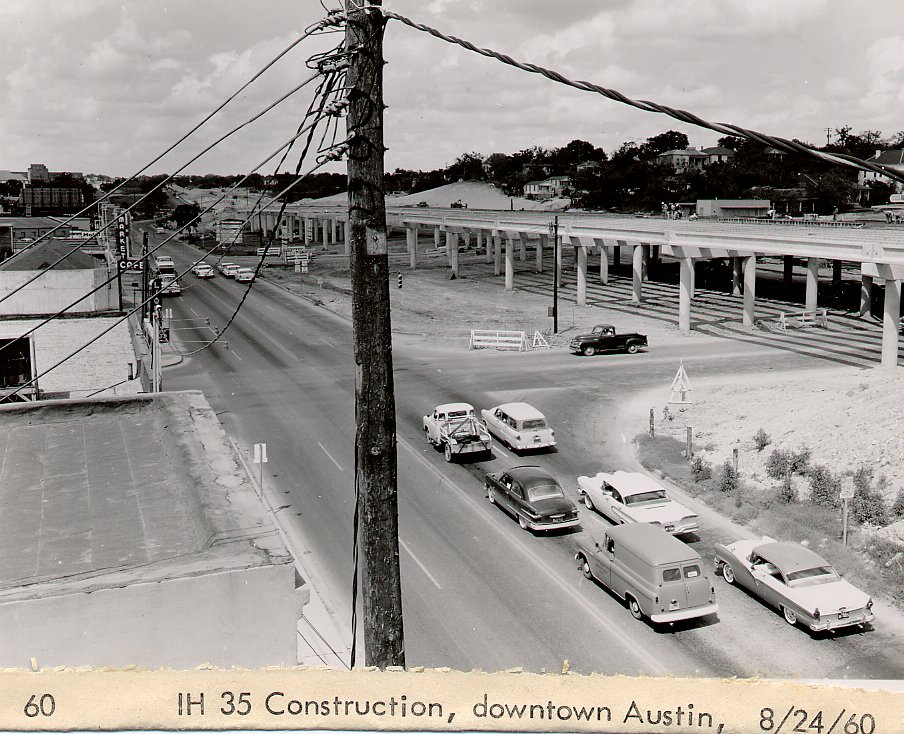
801	584
203	270
224	265
169	286
634	497
533	496
519	426
454	428
244	275
657	575
603	338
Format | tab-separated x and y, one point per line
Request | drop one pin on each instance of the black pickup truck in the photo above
604	339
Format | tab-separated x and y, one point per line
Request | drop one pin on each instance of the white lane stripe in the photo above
235	354
638	650
194	312
323	448
421	565
327	343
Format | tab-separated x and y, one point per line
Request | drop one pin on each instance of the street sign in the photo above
260	453
134	265
847	488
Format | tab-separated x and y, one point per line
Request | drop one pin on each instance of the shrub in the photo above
824	487
787	494
799	461
778	464
728	478
868	505
761	440
897	507
700	470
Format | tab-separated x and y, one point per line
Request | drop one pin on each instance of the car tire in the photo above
491	495
790	616
585	567
727	573
522	522
588	503
447	452
634	607
632	348
588	351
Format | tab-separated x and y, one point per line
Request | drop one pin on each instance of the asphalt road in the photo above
480	593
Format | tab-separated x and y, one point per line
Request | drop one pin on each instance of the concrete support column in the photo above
693	278
788	274
645	262
436	237
604	264
411	240
488	239
509	261
333	239
891	322
686	267
812	281
540	242
305	231
736	265
497	260
347	247
637	271
452	250
582	276
466	236
866	295
749	267
522	244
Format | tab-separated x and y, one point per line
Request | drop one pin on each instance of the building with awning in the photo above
733	208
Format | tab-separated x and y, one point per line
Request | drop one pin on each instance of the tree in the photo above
467	167
185	213
659	144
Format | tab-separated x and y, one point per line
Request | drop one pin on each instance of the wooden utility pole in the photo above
375	439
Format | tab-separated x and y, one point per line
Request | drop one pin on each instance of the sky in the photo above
103	86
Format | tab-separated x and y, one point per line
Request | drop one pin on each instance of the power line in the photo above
790	146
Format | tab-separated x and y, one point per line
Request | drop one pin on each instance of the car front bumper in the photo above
679	614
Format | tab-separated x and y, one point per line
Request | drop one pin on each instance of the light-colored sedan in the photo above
519	426
230	270
203	270
801	584
626	497
222	267
244	275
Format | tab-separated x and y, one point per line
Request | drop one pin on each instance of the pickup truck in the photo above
604	339
455	429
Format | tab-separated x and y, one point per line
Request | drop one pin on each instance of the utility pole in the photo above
555	275
145	268
375	439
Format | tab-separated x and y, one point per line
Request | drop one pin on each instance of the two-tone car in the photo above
519	426
203	270
801	584
533	496
223	267
626	497
244	275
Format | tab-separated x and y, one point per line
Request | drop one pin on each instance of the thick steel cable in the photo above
164	182
310	31
790	146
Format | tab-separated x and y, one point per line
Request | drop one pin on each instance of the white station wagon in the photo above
626	497
519	426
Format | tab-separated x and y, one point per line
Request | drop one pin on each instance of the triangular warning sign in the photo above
681	387
539	340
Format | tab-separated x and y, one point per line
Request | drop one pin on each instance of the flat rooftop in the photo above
104	492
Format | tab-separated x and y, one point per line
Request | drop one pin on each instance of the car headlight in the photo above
816	614
869	604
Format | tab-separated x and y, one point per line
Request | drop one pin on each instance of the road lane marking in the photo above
421	565
234	354
637	649
257	329
323	448
194	312
327	343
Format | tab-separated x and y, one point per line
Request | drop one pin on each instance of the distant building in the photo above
718	154
17	233
588	167
548	188
14	176
38	173
731	208
229	231
51	199
683	160
893	159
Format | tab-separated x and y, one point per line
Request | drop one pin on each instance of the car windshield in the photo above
812	576
656	495
458	414
533	424
544	492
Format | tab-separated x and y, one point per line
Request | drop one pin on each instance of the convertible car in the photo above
797	581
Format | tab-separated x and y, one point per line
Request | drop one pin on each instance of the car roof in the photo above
520	411
631	482
789	557
530	475
652	544
450	407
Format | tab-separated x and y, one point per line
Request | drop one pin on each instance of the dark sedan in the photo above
533	496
